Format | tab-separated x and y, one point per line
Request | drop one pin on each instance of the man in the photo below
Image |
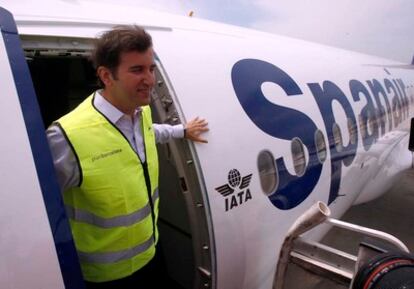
106	161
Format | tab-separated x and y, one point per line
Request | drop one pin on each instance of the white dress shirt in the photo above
64	159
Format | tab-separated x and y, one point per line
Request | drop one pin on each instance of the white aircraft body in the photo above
291	123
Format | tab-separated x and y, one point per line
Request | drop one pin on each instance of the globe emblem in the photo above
234	178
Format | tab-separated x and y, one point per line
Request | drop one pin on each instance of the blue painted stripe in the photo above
59	224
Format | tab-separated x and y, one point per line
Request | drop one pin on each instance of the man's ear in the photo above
105	75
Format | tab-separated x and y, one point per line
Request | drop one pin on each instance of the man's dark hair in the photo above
120	39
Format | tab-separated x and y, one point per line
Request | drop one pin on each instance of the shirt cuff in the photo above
178	131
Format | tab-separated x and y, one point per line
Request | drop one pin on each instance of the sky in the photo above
379	27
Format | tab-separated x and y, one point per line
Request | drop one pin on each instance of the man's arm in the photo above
66	166
191	130
165	132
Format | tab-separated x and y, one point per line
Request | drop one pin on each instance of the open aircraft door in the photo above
35	234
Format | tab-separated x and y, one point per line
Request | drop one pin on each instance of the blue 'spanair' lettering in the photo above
368	113
377	91
325	96
395	103
248	76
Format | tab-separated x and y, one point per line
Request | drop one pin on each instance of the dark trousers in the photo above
153	275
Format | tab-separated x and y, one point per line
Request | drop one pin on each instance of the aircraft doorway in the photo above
62	78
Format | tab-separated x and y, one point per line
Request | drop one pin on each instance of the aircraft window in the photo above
320	146
337	137
267	172
299	158
383	116
362	126
352	131
371	122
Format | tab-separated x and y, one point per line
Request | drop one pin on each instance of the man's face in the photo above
134	79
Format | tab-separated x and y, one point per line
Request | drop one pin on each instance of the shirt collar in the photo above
110	111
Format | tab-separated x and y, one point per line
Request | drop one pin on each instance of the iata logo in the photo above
239	183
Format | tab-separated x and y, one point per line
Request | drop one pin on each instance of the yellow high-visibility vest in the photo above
114	210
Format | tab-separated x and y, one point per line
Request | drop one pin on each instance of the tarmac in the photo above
392	213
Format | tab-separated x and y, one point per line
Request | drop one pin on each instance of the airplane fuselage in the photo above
291	123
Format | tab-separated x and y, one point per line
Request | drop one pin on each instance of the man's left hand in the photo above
194	128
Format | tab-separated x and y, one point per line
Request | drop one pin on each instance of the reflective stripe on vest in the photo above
112	257
110	212
80	215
